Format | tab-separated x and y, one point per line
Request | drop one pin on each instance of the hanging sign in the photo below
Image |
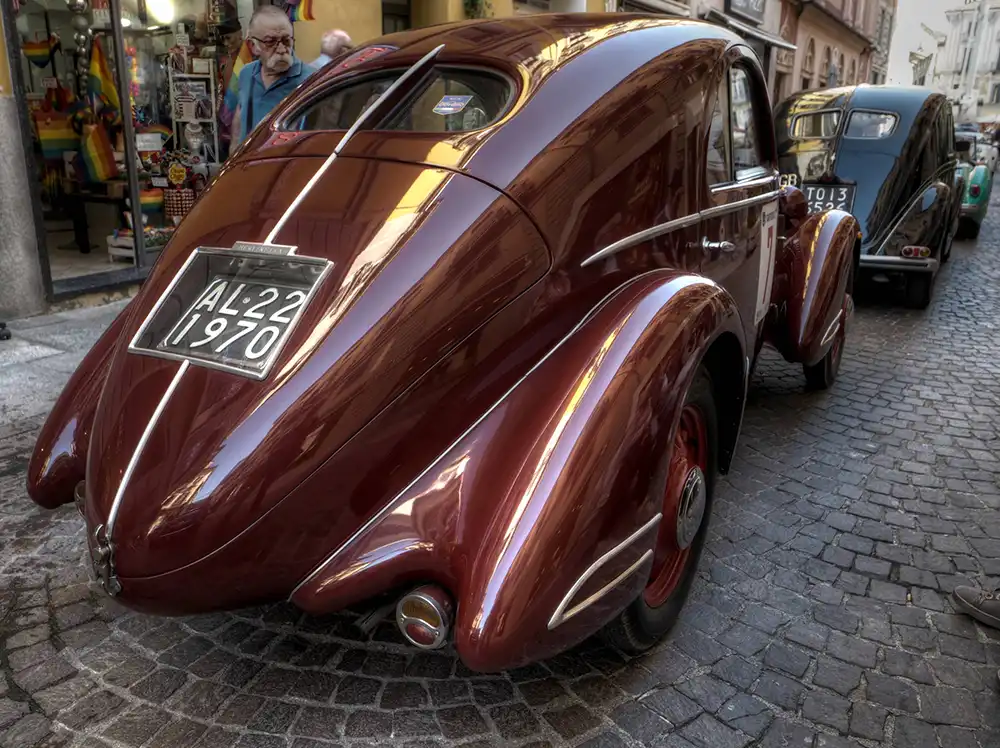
148	141
50	81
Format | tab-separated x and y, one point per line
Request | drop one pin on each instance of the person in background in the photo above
276	72
333	43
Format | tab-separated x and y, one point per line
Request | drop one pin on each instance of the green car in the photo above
977	176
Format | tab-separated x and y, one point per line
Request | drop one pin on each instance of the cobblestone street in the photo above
821	617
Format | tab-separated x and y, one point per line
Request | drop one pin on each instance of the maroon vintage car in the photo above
467	322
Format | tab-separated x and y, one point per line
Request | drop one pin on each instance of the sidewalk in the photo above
42	354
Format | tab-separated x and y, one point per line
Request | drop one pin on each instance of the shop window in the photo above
395	16
809	61
454	100
852	76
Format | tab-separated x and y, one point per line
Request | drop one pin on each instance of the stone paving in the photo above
820	619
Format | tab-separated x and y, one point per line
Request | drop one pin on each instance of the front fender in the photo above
814	268
554	476
58	461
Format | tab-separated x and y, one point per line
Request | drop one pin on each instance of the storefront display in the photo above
133	127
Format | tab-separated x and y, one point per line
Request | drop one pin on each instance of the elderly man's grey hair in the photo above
268	11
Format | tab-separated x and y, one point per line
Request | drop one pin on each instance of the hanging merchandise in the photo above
101	87
301	10
40	53
97	154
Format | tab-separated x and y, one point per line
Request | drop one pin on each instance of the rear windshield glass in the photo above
871	125
452	100
816	125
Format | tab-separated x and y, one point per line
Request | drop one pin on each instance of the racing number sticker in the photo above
768	242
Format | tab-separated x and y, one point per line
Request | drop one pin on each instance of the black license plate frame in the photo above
834	196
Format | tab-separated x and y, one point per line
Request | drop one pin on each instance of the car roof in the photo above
542	38
904	100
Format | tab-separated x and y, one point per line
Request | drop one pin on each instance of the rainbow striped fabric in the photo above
55	134
231	100
158	129
151	200
101	87
40	53
302	11
97	154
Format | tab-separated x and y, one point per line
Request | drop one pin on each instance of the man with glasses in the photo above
276	72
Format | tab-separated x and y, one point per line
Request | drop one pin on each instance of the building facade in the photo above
967	65
835	43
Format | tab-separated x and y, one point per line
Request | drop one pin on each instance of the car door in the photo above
740	194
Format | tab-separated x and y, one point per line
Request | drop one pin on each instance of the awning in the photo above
744	30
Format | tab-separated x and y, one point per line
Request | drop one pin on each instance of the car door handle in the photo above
717	246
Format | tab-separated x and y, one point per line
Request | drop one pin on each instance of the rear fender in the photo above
515	517
59	459
813	269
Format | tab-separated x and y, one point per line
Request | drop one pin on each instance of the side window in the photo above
746	140
719	165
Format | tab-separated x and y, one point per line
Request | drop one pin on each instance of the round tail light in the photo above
974	190
424	616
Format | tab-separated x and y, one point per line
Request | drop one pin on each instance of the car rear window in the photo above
870	125
450	100
816	125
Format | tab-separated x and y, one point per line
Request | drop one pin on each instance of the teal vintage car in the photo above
976	174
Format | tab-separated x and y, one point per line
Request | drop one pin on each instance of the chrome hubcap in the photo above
692	509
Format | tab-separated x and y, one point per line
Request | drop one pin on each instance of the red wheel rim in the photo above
683	506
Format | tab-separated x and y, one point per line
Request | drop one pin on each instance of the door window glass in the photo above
746	142
719	165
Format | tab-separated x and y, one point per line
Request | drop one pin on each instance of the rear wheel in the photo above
973	232
919	289
683	487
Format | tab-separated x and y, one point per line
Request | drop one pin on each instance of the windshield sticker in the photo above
451	104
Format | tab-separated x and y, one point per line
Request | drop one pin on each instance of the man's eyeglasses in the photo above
271	42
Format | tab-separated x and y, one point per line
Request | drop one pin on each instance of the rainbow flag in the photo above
40	53
97	154
232	98
151	201
101	87
302	11
159	129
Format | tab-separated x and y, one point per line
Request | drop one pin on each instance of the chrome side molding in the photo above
561	614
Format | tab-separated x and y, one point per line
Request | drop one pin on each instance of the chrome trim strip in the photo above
685	221
391	505
721	210
764	181
137	453
833	329
561	615
418	65
642	236
886	262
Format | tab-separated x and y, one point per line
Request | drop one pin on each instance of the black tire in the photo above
639	626
974	230
919	290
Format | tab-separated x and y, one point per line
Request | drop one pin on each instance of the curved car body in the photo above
887	155
516	305
974	163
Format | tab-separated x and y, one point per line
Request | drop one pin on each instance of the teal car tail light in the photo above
974	190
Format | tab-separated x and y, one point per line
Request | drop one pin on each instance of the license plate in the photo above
231	310
829	197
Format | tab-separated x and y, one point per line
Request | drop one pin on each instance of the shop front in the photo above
124	123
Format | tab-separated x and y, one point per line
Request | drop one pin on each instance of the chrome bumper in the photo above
899	264
970	210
